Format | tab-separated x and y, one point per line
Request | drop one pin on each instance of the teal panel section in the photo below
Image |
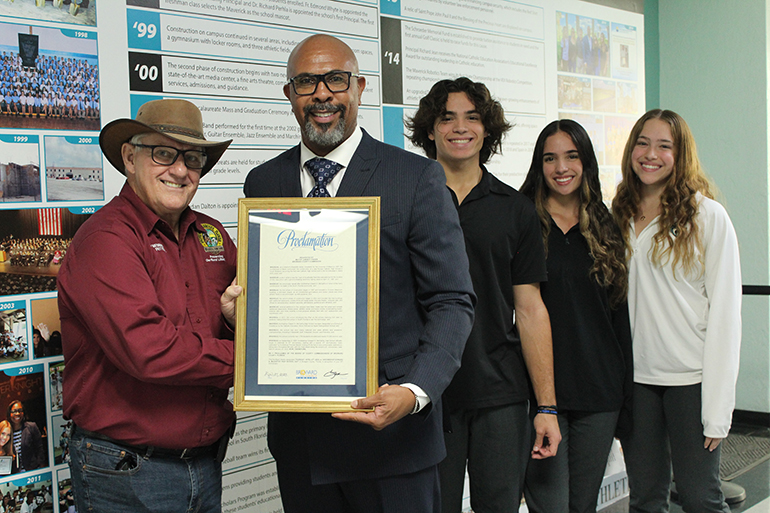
137	100
393	126
392	7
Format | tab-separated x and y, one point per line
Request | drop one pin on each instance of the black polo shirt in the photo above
591	341
505	248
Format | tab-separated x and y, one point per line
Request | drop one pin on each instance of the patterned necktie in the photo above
323	171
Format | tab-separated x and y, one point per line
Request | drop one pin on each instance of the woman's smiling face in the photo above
653	157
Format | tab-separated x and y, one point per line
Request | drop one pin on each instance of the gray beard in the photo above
325	136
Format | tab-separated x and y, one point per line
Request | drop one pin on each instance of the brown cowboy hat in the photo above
179	120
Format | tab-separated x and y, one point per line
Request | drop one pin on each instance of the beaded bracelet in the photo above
551	410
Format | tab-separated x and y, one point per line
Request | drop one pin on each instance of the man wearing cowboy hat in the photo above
144	300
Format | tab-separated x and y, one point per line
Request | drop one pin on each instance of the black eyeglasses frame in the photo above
321	77
178	152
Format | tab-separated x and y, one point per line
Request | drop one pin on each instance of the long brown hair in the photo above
594	219
678	234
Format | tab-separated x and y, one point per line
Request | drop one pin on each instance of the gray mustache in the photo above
321	107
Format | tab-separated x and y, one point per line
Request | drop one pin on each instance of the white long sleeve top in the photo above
686	327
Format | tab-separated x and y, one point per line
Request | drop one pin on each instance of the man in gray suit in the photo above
384	460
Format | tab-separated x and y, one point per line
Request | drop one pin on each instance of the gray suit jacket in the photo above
426	314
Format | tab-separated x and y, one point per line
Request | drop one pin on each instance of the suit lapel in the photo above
289	177
362	166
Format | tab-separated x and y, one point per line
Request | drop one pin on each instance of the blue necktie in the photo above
323	171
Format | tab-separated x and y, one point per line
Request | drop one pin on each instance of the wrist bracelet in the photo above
550	410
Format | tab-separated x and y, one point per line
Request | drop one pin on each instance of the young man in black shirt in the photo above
461	126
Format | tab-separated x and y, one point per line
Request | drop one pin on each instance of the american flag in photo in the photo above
49	221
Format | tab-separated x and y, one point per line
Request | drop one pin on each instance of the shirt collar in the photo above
342	154
575	228
493	184
486	185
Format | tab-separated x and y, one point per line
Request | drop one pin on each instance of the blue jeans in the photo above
154	484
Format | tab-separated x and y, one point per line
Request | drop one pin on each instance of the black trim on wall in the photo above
756	290
751	418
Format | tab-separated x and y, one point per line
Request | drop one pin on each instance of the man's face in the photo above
326	119
167	190
458	133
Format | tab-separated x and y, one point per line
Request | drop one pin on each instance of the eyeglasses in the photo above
17	410
335	81
167	155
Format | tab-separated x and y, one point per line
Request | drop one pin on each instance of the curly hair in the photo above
596	224
433	106
678	234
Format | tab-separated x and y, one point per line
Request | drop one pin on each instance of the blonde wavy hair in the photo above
678	234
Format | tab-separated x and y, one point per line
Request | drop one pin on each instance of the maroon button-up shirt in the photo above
148	356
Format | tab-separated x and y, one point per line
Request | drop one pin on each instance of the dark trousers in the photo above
570	481
495	444
408	493
668	431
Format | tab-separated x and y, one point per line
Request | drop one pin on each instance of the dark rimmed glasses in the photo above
335	81
167	155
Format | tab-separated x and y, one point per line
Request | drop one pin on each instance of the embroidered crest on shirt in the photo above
158	247
211	239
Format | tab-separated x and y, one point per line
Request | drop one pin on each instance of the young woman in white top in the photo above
684	299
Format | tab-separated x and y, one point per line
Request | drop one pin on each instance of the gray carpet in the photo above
741	453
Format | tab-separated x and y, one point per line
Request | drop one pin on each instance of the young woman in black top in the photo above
586	299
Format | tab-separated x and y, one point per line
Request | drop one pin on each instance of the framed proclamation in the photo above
307	320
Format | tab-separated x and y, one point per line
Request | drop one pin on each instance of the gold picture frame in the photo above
307	322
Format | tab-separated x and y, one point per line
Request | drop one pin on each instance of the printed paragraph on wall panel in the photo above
229	58
497	42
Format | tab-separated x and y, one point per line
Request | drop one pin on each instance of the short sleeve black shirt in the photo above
591	340
505	248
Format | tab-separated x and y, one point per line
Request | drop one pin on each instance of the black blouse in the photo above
593	367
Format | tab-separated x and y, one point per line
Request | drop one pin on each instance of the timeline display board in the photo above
71	66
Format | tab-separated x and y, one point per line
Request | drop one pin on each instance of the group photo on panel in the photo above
520	332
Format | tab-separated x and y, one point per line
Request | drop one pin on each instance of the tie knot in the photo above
323	170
